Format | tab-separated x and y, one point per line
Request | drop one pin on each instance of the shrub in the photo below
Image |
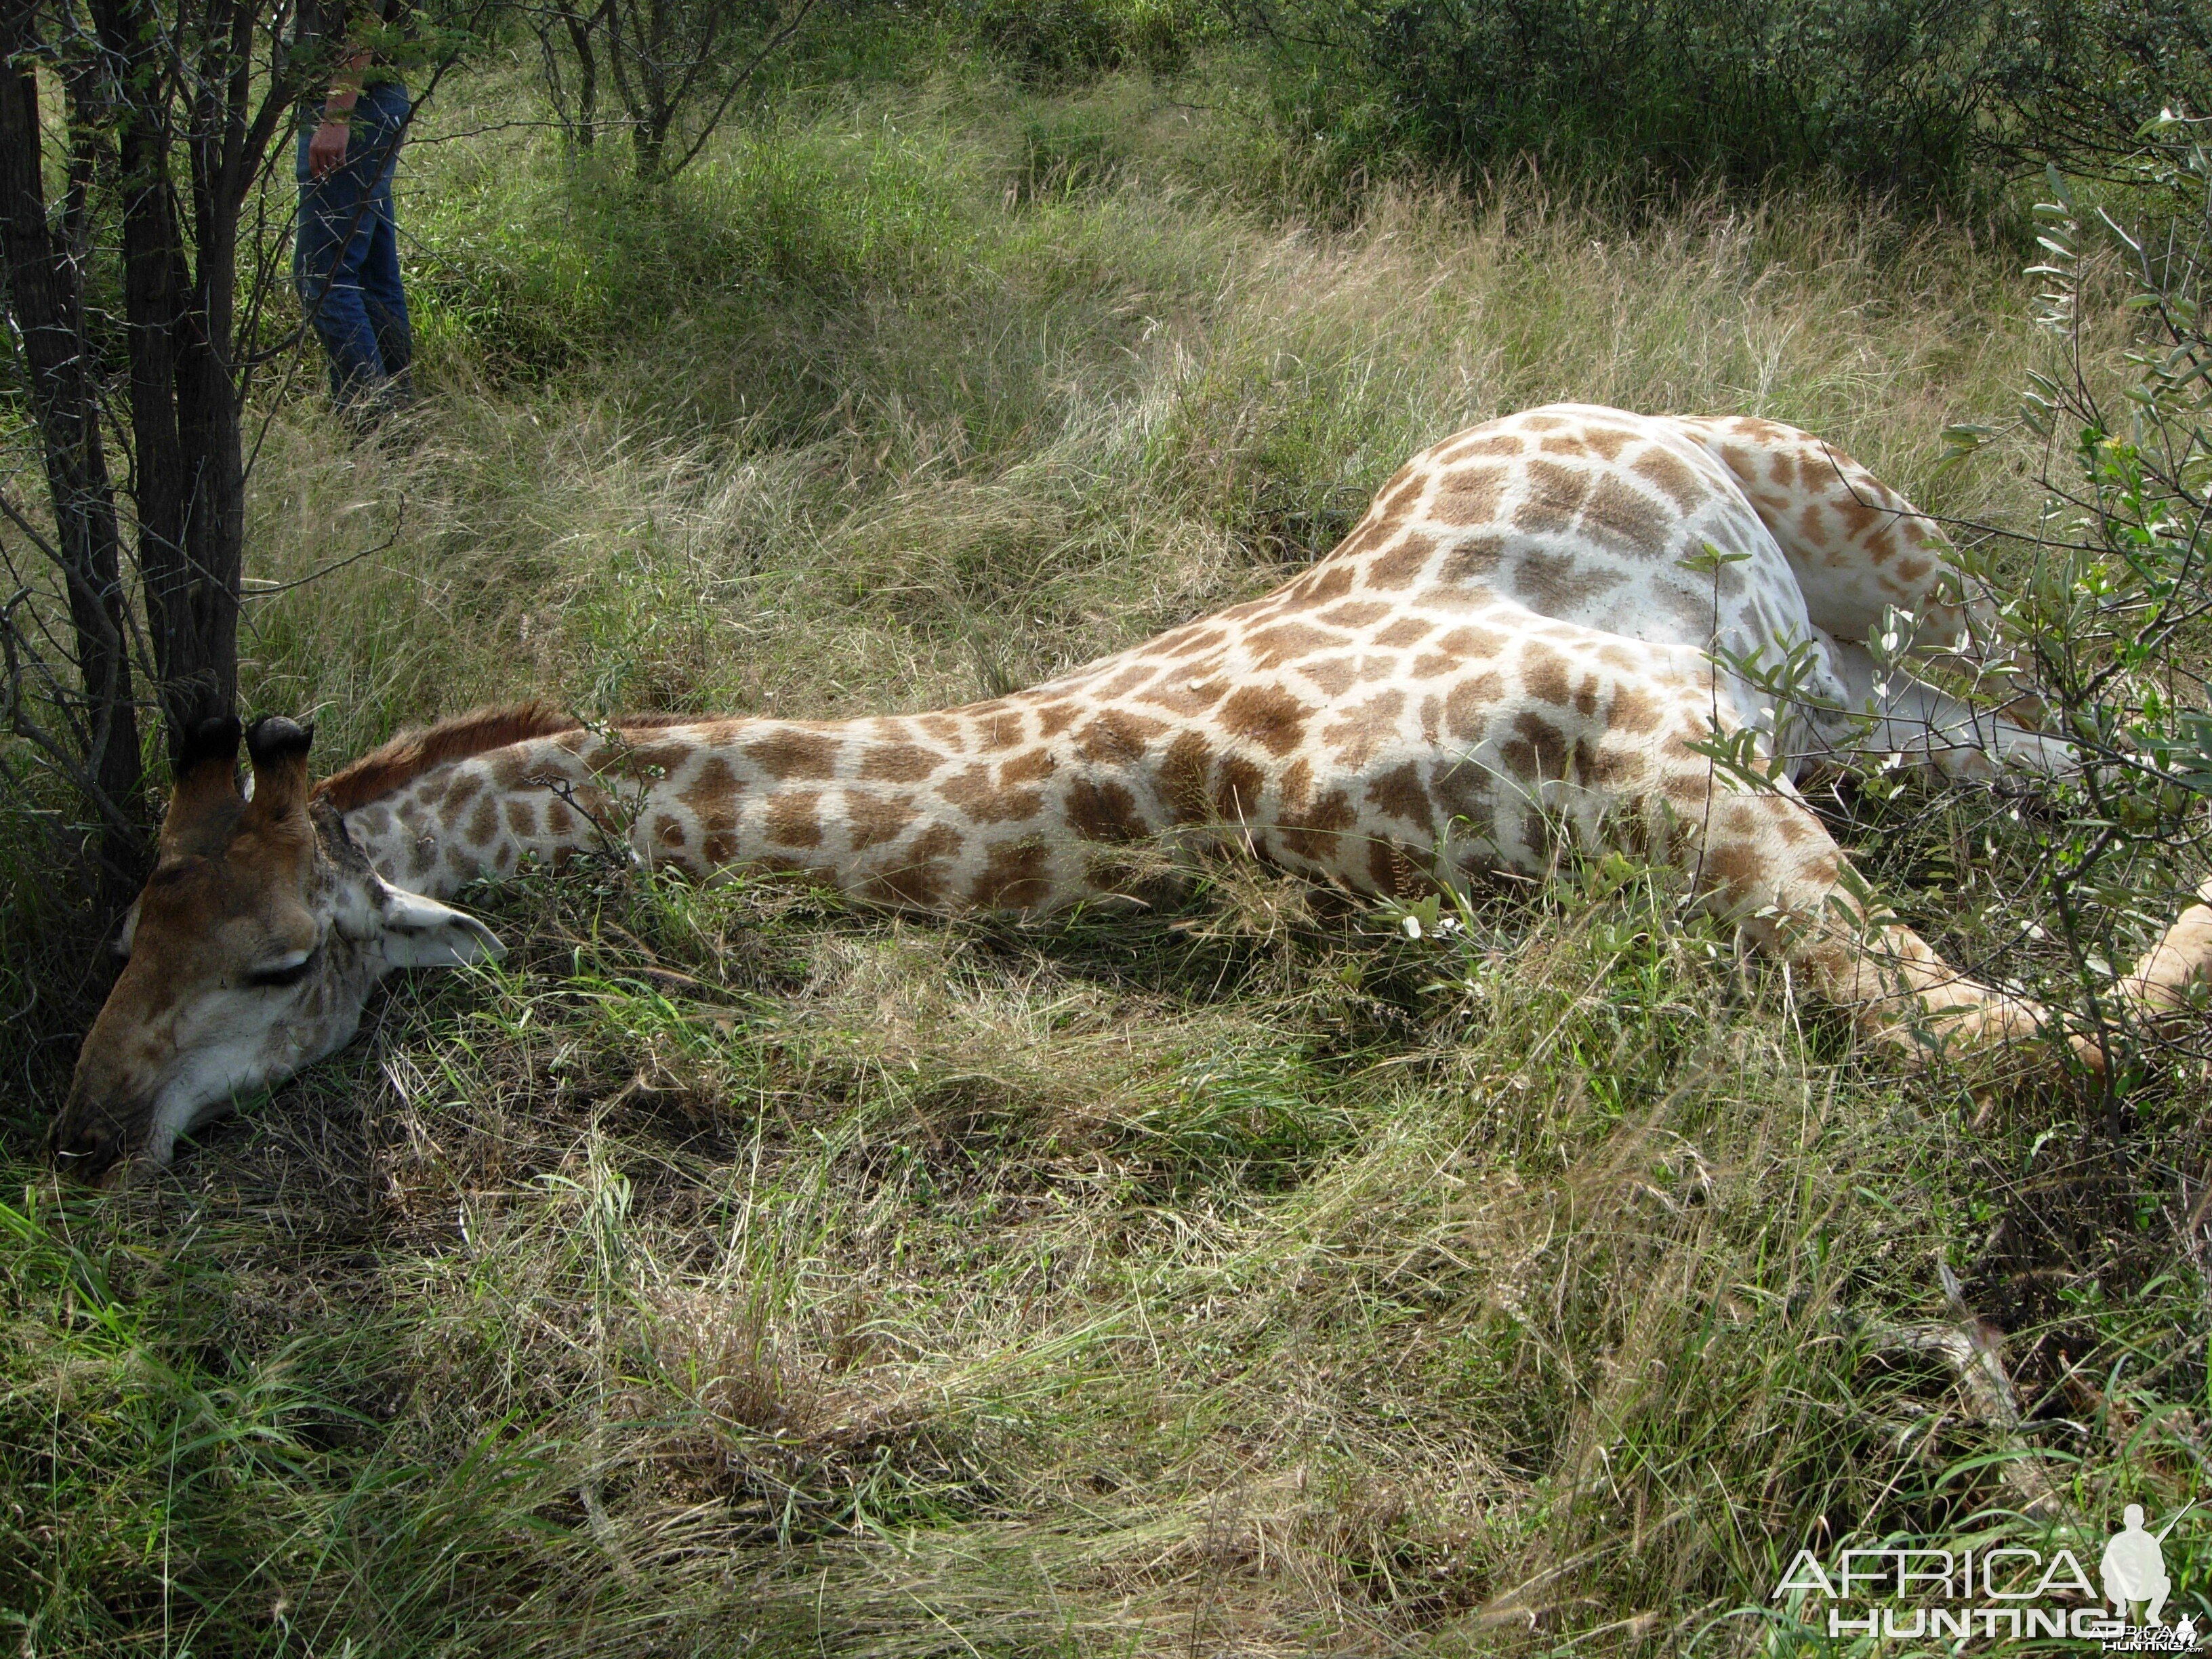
1932	101
2111	596
1050	41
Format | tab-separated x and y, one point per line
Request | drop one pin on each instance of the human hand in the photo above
326	150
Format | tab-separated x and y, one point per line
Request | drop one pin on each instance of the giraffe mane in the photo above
397	763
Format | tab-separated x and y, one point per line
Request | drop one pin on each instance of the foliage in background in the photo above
1935	101
677	66
2109	596
1051	42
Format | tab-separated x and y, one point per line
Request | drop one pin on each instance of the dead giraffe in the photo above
1517	645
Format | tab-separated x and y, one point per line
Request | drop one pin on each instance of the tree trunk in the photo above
45	294
648	141
588	77
184	416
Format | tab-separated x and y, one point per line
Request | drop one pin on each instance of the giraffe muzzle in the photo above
89	1143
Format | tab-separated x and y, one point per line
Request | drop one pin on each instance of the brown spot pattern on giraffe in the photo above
793	819
794	754
1471	494
1621	518
1402	564
1000	727
1401	794
1551	583
1406	631
1370	533
1271	647
1465	791
1237	790
1545	674
1267	716
1333	583
1099	809
1553	496
1468	703
1734	868
1473	560
1017	876
1117	735
975	792
1314	831
1672	477
1204	686
895	763
1332	676
1183	773
712	790
1488	443
874	819
1355	735
1538	750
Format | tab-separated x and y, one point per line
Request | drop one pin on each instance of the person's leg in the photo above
383	297
386	301
327	249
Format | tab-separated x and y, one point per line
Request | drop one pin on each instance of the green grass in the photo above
734	1272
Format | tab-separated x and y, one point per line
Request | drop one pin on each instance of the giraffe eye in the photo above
288	971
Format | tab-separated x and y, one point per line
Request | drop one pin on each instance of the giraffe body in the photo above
1519	650
1519	637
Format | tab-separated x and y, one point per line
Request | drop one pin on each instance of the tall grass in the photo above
893	383
732	1272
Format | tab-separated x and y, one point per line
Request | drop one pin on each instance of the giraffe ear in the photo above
412	930
409	930
279	750
421	932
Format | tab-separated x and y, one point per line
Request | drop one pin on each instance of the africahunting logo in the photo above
2003	1594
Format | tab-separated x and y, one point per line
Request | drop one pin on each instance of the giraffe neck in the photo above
1014	804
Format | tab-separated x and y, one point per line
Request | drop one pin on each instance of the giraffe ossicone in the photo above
1542	632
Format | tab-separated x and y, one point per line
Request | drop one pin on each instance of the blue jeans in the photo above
345	258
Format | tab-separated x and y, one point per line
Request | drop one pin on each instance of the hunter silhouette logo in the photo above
1998	1594
2134	1568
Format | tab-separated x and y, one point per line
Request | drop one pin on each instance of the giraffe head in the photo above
251	952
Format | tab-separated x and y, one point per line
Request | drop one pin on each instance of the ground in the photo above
734	1271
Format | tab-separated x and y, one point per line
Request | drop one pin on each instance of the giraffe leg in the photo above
1864	556
2159	988
1766	863
1894	713
1859	549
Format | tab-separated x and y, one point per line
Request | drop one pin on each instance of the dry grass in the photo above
730	1273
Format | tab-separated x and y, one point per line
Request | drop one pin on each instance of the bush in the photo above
1933	100
2111	595
1052	41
